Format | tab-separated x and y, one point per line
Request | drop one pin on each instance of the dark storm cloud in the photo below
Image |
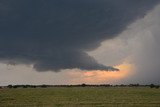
54	34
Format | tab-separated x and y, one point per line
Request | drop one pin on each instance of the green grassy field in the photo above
80	97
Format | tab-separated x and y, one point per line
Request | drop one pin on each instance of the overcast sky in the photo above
79	41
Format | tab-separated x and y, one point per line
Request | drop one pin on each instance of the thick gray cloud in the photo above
54	34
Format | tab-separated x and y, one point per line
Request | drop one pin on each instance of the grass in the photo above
80	97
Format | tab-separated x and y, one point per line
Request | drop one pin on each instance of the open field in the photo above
80	97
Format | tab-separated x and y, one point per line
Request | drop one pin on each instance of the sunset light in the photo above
98	76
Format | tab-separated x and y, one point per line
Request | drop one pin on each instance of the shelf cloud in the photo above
55	34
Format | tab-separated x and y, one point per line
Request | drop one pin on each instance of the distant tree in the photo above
134	85
107	85
83	85
152	85
33	86
44	86
137	85
24	86
122	85
9	86
15	86
156	86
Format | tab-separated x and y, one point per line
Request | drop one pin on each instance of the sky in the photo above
79	41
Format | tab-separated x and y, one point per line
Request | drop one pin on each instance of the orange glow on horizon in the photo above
98	76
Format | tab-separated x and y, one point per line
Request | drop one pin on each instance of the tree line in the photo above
80	85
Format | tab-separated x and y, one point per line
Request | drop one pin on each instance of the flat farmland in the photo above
80	97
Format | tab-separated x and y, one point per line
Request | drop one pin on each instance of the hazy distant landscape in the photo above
80	96
79	42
